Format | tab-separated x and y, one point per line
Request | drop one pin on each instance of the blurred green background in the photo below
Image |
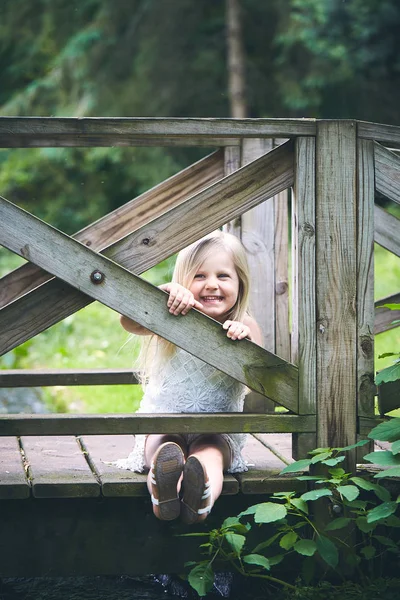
299	58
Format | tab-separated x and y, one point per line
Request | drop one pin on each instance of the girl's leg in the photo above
214	454
165	461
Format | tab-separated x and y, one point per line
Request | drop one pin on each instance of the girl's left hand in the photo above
236	330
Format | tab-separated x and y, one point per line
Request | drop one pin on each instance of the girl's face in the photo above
216	285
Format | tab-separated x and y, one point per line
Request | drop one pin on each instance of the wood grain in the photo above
58	469
14	378
71	424
31	132
387	173
384	317
125	219
387	230
336	284
14	484
380	132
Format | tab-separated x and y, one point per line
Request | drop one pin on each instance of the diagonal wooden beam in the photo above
387	230
136	298
387	173
182	225
125	219
384	317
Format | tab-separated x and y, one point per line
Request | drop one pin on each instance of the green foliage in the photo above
357	507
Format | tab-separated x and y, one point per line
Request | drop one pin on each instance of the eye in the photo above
198	276
223	275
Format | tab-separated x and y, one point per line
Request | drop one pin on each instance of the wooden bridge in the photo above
64	510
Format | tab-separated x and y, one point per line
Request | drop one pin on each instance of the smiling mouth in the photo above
212	298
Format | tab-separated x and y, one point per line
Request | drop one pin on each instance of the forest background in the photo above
161	58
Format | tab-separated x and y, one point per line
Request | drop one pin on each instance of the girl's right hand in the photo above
180	300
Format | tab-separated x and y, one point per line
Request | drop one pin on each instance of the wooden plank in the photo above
103	449
387	230
263	475
145	304
304	343
125	219
141	250
14	378
381	133
281	242
365	281
18	132
387	173
336	284
58	468
13	481
71	424
384	317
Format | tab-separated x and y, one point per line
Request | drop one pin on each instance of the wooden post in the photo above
303	284
365	285
336	284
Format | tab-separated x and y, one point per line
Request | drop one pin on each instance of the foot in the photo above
196	499
165	472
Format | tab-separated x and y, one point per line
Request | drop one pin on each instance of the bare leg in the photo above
214	453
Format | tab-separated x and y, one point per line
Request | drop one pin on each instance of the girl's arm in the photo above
248	328
180	301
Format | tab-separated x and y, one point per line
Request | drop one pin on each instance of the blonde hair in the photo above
157	351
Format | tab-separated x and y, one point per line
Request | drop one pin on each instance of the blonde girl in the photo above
186	471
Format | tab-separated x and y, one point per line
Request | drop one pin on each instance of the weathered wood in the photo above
125	219
14	378
387	230
263	477
103	449
388	396
145	304
20	132
365	281
365	425
71	424
303	282
58	469
162	237
379	132
282	329
384	317
13	481
336	284
387	173
232	162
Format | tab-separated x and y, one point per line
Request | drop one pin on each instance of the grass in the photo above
94	339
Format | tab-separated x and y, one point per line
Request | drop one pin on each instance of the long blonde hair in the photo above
156	351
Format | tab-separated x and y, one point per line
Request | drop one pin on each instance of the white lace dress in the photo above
185	385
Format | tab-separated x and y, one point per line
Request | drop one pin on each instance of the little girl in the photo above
186	470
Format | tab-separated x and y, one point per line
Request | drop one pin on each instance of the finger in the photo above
227	324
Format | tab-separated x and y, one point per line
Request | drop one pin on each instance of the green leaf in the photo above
381	512
338	523
249	511
319	451
352	446
382	493
392	521
328	551
320	457
300	504
368	552
305	547
275	560
391	306
396	447
308	478
299	465
236	541
364	526
316	494
201	578
387	354
267	543
388	431
288	540
230	521
257	559
331	462
391	373
385	541
383	457
350	492
339	472
269	512
394	472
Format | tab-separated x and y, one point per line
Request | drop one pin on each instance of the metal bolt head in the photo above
97	277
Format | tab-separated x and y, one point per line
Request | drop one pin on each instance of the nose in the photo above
212	283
